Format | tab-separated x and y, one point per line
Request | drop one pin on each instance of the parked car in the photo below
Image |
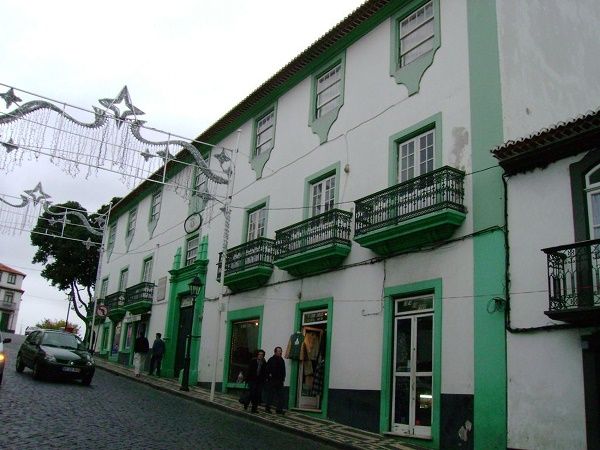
3	341
56	354
30	329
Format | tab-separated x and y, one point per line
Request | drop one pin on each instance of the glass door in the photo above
311	369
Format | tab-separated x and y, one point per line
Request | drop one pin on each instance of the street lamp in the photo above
194	289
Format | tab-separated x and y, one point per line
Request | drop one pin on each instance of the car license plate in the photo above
71	369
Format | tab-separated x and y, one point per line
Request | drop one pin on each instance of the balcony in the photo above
417	212
250	265
115	306
8	306
138	298
574	283
314	245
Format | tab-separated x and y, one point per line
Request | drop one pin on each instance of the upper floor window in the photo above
265	133
147	270
200	181
123	279
416	156
112	234
322	195
104	288
416	34
155	205
257	223
191	251
593	200
329	90
131	222
9	297
11	278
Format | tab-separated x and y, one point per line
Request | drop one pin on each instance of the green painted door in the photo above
4	321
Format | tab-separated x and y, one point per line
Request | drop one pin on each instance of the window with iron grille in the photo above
191	250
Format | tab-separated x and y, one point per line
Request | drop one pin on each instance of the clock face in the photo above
192	223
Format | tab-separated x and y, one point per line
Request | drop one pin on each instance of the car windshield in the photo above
63	340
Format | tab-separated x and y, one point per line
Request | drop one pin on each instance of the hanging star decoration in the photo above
10	98
147	155
128	108
88	244
10	145
222	157
37	194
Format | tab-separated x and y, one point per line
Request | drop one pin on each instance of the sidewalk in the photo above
314	428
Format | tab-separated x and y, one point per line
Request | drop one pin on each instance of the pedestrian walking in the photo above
158	350
140	349
275	377
255	378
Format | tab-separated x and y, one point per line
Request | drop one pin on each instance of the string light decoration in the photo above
112	141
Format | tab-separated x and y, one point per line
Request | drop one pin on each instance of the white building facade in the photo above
367	223
11	290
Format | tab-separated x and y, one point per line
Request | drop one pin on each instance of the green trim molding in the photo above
490	372
333	169
302	307
321	125
433	122
391	293
257	163
411	74
236	316
262	203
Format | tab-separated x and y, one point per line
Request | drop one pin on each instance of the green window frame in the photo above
391	294
192	245
263	139
147	264
432	123
130	230
411	73
104	346
11	278
199	186
103	288
123	279
233	317
251	209
112	237
320	122
154	210
311	180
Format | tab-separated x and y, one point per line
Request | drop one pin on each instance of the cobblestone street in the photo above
115	412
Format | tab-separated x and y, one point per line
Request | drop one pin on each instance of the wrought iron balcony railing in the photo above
574	275
139	293
115	300
330	227
433	191
258	252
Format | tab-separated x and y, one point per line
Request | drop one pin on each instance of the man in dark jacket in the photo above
158	350
255	377
275	377
140	349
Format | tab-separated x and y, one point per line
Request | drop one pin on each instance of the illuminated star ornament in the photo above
37	194
10	97
128	108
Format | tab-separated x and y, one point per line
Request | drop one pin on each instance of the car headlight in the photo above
90	361
2	357
50	358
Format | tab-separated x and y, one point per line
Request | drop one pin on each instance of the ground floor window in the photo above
116	339
243	346
412	383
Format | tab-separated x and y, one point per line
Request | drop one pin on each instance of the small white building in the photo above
11	282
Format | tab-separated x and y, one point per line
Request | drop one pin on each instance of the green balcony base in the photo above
584	316
141	307
413	233
314	261
116	314
247	279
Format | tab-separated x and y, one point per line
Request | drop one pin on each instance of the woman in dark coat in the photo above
255	377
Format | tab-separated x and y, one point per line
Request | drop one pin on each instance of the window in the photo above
243	347
147	270
257	221
200	181
327	97
415	37
329	90
123	279
412	382
112	233
131	222
128	335
322	195
116	342
265	128
104	288
593	200
416	156
191	250
11	279
416	34
155	206
9	297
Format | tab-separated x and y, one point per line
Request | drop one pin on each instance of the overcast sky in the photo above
185	63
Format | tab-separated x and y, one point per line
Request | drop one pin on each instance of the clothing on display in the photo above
295	346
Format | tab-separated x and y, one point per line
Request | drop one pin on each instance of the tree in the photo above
70	264
59	324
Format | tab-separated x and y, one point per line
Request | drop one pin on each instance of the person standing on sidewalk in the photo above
158	350
140	349
276	377
255	377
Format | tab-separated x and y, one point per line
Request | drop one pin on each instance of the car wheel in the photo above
86	381
20	365
37	371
